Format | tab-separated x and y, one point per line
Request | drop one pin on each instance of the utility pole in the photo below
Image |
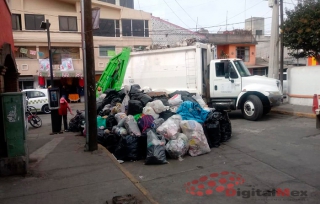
281	44
89	75
273	71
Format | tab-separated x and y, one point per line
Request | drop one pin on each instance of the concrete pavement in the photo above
62	172
279	152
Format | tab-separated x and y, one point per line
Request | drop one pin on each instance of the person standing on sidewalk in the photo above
63	112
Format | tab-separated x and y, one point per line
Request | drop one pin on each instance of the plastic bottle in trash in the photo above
157	122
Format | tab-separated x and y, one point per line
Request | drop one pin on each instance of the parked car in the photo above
38	98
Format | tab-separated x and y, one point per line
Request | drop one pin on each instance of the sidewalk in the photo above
62	172
296	110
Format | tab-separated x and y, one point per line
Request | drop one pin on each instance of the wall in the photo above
165	33
52	9
303	83
5	25
231	50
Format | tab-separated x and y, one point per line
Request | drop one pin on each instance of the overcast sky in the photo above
210	13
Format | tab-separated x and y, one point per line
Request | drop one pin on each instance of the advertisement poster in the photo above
66	65
44	64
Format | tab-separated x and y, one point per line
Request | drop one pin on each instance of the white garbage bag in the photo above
170	127
198	143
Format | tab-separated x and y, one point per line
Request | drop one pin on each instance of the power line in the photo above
244	11
175	13
185	11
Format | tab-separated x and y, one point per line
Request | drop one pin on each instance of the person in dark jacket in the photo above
63	112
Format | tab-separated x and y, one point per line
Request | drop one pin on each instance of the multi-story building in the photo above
8	70
120	26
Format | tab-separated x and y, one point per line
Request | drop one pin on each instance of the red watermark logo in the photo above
229	183
216	182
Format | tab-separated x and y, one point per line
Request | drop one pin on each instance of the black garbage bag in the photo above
142	145
182	93
110	95
135	88
127	149
109	141
115	101
164	101
122	94
212	129
189	98
143	98
76	121
110	122
225	127
166	114
104	112
100	136
134	107
212	132
156	149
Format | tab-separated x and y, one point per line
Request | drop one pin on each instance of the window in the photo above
68	23
126	28
242	69
35	94
33	22
108	28
16	21
109	1
107	51
260	71
137	28
127	3
25	85
220	69
243	53
258	32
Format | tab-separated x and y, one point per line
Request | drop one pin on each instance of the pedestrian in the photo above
63	112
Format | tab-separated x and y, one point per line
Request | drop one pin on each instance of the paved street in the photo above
279	152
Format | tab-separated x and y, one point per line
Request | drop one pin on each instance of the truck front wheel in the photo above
252	108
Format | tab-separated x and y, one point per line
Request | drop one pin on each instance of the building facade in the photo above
8	70
166	34
120	26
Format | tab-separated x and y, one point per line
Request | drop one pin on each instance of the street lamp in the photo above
53	93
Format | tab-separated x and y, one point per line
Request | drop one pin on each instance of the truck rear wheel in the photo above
252	108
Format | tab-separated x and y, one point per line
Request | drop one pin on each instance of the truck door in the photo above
226	80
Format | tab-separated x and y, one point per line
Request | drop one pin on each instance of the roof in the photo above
178	27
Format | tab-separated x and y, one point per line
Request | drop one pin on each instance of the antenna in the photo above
227	22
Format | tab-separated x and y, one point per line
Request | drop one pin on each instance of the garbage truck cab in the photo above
231	87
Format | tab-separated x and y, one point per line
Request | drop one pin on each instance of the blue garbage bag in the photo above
192	111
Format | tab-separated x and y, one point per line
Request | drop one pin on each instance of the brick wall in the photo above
165	33
5	25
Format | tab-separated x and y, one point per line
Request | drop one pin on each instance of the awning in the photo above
75	73
26	78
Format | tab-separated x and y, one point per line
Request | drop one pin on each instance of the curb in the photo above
135	182
299	114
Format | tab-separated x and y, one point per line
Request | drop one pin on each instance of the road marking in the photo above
43	151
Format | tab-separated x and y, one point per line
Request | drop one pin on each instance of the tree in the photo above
301	29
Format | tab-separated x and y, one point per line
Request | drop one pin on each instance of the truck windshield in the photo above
242	69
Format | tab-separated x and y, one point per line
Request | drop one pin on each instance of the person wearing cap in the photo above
63	112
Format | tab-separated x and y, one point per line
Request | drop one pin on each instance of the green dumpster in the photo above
14	123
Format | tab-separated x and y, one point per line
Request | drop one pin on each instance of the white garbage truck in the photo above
224	83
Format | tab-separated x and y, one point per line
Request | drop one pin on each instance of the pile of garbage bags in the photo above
139	124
